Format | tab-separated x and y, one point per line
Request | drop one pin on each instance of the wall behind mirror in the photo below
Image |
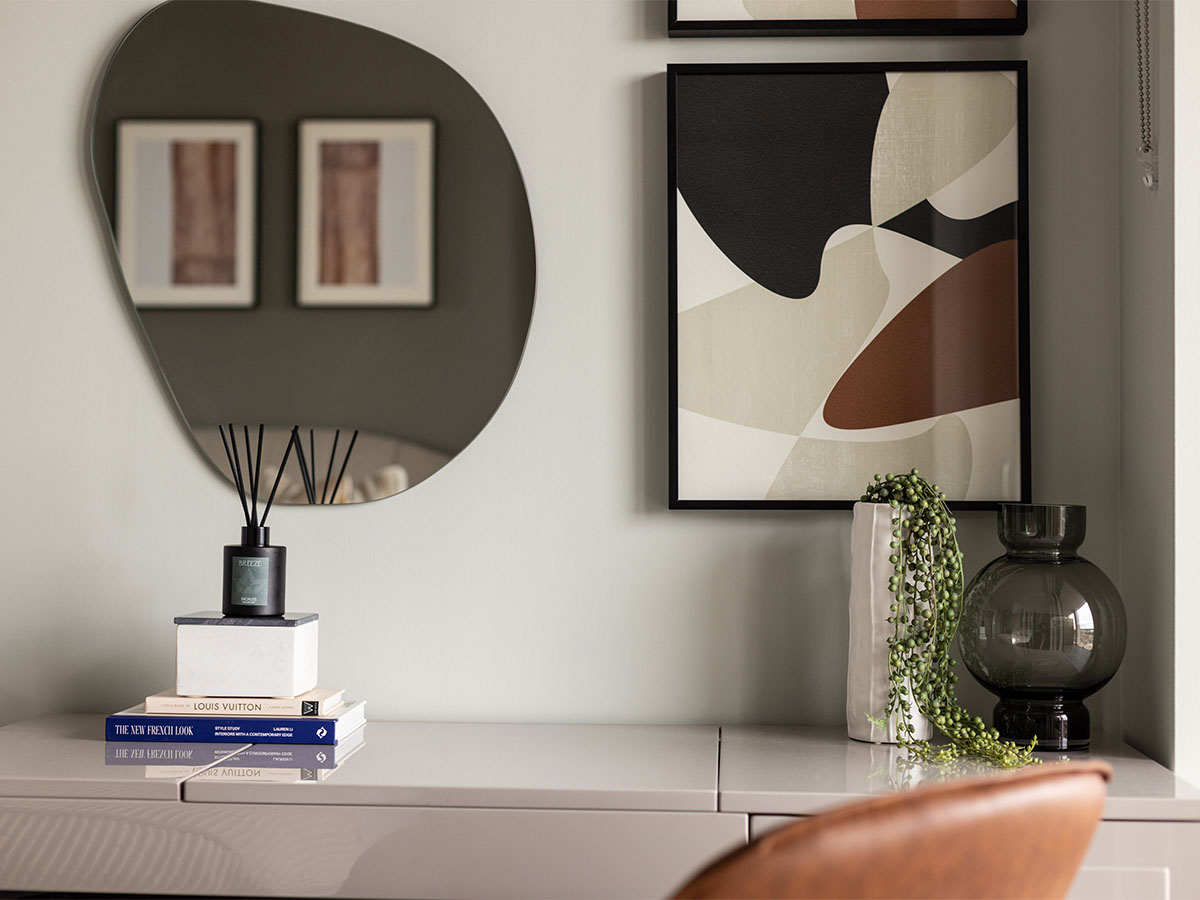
417	382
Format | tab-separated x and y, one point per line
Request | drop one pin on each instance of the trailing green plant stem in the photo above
927	584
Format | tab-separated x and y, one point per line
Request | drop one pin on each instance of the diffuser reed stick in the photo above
250	478
257	472
236	469
279	474
329	468
249	483
309	490
308	466
337	484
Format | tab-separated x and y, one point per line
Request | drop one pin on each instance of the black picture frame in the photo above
677	73
726	28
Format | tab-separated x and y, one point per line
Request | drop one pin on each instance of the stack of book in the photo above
319	716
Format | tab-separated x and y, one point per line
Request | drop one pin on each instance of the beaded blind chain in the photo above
1146	153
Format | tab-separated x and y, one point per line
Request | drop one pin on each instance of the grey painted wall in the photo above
433	376
539	576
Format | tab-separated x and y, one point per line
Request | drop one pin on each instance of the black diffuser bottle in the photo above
254	576
255	572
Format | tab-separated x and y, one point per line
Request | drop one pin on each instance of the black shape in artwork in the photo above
772	164
959	237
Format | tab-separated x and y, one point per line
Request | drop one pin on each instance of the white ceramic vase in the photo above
870	605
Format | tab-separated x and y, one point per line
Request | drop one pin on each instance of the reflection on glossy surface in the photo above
161	848
155	753
881	767
247	850
798	770
887	767
544	766
285	763
168	760
67	756
418	383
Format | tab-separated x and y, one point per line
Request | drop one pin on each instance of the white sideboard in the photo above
488	810
1146	846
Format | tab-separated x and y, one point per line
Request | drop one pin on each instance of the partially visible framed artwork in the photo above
186	198
827	18
848	281
366	212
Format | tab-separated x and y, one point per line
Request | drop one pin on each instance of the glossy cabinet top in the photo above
801	770
67	756
628	767
770	770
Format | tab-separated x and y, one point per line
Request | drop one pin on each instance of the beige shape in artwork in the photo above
758	359
800	9
708	272
935	126
995	432
990	184
840	470
736	462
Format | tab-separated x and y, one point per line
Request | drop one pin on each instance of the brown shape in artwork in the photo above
935	9
953	347
349	212
204	226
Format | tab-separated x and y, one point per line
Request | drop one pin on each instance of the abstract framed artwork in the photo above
828	18
848	281
366	212
186	198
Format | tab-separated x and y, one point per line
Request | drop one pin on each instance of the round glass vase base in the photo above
1057	724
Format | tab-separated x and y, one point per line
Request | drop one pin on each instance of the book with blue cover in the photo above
135	724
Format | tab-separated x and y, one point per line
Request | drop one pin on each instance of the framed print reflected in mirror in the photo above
366	212
186	204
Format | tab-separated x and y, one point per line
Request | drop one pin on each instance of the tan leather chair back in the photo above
1012	835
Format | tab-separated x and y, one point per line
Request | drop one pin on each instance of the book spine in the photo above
203	706
219	729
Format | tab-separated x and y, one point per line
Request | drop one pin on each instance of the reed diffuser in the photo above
254	574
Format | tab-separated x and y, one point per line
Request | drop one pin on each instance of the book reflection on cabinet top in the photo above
263	762
140	753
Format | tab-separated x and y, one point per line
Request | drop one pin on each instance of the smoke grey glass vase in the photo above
1042	627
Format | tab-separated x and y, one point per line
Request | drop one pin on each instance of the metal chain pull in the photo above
1146	154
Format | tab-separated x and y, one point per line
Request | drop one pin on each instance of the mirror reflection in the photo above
318	224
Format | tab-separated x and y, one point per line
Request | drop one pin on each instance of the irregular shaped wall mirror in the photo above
318	224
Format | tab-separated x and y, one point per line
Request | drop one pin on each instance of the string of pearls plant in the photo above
928	588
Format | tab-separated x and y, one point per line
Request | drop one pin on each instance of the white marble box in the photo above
268	656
